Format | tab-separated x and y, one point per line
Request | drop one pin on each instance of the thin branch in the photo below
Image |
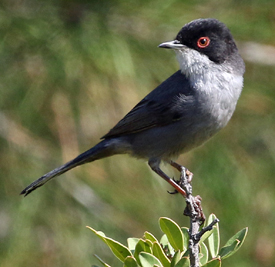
205	229
194	211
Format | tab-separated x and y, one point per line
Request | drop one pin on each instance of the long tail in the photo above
101	150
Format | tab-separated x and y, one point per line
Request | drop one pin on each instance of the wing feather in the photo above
167	103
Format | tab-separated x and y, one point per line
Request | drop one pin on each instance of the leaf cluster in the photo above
172	248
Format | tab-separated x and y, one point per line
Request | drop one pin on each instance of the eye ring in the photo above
203	42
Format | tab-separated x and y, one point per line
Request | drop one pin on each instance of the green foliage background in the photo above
69	70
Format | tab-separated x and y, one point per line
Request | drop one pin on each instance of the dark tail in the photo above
101	150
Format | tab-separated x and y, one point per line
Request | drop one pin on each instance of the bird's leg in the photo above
193	208
186	175
185	182
154	165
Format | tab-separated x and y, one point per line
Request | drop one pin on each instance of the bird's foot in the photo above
175	191
185	177
179	182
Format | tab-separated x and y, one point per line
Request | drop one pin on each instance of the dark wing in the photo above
167	103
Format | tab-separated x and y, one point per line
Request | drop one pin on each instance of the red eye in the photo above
203	42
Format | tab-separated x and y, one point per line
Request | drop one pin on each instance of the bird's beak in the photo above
172	45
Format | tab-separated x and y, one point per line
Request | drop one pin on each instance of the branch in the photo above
194	211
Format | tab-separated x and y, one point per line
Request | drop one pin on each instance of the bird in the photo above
181	113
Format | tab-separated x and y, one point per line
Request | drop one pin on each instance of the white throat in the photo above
192	62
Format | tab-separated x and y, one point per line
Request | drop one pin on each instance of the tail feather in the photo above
99	151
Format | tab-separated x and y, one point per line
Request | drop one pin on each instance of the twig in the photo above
205	229
194	211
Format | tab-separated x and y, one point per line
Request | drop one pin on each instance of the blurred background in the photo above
69	71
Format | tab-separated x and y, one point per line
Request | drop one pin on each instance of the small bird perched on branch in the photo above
181	113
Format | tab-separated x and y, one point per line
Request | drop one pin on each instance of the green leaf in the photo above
203	253
150	237
141	246
176	258
149	242
185	232
227	251
132	242
168	249
159	253
173	232
214	238
119	250
102	262
233	244
130	262
183	262
213	263
148	260
208	233
100	234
